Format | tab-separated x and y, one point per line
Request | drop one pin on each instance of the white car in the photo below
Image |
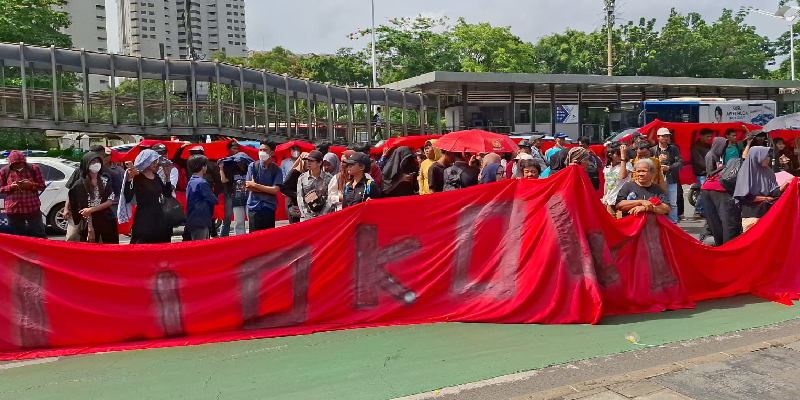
56	172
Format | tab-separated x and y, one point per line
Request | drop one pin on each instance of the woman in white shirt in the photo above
617	173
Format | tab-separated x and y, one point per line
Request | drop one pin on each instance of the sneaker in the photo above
698	216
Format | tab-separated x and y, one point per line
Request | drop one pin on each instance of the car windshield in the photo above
622	134
69	163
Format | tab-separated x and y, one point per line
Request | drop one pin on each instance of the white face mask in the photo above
95	167
263	156
295	154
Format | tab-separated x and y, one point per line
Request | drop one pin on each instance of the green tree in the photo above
484	48
571	52
346	67
34	22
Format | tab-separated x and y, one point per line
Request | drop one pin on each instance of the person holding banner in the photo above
756	186
90	202
642	195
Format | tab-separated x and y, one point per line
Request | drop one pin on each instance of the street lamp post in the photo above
781	14
374	64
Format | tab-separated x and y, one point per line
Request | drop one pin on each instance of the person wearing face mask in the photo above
144	187
21	183
90	201
114	177
288	163
264	180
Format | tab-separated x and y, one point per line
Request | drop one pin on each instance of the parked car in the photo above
56	172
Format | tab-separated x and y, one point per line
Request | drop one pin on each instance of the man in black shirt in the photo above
359	189
460	175
436	172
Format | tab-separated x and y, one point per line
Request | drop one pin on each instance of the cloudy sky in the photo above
321	26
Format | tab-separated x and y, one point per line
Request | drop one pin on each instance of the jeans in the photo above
261	220
29	224
238	214
672	197
698	207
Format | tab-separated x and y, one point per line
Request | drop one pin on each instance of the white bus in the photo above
709	110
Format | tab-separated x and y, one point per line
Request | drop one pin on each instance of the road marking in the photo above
28	362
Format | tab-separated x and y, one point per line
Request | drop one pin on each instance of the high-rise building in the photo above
88	31
153	28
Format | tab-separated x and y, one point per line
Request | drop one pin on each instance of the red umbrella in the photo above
476	141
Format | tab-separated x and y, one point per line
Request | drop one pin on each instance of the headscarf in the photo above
576	155
717	153
334	161
143	160
754	179
396	165
301	164
489	173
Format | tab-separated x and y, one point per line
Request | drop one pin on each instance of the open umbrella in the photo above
476	141
785	122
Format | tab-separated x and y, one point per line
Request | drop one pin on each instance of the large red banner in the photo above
509	252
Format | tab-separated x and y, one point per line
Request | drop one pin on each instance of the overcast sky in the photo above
321	26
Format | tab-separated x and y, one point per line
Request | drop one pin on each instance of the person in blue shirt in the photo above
263	181
200	199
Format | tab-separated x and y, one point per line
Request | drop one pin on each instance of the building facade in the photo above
88	31
156	28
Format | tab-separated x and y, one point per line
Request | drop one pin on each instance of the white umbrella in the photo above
785	122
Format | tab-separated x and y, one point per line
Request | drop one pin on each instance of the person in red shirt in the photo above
21	183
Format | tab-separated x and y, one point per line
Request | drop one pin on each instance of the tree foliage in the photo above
36	22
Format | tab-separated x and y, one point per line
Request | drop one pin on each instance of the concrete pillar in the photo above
113	85
54	71
141	90
464	107
552	109
23	81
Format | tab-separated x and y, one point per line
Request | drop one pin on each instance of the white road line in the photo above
28	362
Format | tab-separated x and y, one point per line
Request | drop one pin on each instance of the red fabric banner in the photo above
531	251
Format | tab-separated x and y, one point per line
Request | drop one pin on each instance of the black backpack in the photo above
727	178
453	179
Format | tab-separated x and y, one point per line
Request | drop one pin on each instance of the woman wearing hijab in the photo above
400	174
579	156
289	188
756	186
332	165
144	188
492	170
722	215
90	201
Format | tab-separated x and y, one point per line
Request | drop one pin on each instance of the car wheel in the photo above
56	220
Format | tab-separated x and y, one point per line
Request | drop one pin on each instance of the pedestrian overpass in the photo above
48	88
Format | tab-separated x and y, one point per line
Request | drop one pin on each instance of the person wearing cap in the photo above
537	141
700	149
73	233
374	170
669	156
432	154
360	188
263	180
312	188
560	140
511	167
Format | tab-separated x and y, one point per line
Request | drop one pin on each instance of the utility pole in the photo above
374	63
610	18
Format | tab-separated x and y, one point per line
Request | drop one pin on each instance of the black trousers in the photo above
681	200
723	216
29	224
261	220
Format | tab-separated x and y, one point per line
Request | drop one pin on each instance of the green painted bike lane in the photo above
375	363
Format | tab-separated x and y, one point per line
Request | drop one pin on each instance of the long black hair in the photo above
613	148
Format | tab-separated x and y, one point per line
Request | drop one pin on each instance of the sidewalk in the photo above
767	370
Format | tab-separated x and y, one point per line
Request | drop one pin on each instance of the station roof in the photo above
565	85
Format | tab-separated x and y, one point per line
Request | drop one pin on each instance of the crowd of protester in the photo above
637	178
